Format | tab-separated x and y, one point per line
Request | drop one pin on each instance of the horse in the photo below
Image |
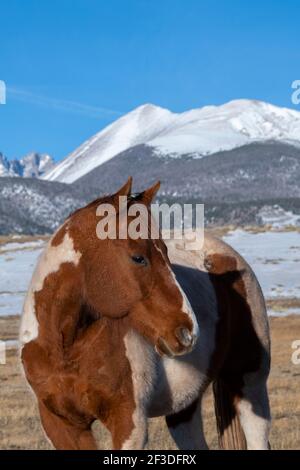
120	330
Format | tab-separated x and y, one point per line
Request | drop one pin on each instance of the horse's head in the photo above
133	277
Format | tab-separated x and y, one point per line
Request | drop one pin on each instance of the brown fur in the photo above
77	365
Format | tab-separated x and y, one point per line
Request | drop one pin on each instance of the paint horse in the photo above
121	330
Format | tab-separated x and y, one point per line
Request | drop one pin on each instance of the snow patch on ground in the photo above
16	246
274	257
278	217
284	312
17	262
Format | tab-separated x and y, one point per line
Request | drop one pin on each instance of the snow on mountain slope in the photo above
215	128
136	127
33	165
199	132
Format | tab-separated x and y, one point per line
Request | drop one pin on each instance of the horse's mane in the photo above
107	199
100	200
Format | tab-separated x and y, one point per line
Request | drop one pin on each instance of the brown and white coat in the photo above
105	339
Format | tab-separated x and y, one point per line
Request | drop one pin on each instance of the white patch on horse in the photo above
49	262
256	428
186	306
142	362
183	380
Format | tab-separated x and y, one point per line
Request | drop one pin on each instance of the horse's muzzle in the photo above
184	344
185	337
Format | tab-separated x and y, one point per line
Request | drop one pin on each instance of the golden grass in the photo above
284	303
20	425
21	238
9	327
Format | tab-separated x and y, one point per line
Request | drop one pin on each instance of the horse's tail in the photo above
230	433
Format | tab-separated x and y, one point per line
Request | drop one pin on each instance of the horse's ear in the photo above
126	188
147	196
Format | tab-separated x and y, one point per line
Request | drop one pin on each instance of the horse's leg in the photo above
186	427
243	413
254	414
65	435
129	431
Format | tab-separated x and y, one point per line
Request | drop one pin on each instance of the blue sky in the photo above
73	66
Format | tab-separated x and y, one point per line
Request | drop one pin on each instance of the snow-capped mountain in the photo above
6	167
137	127
36	165
198	132
33	165
251	175
257	183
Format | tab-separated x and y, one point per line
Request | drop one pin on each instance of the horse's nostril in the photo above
185	337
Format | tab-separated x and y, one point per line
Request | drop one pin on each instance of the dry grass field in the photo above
20	426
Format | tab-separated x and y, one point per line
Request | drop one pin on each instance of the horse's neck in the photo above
103	339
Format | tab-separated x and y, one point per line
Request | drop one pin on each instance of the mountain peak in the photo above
32	165
36	164
146	107
197	132
150	108
5	168
147	111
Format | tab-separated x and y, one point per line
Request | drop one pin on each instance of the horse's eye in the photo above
138	259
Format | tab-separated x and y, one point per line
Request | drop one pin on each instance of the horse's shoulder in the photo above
56	261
